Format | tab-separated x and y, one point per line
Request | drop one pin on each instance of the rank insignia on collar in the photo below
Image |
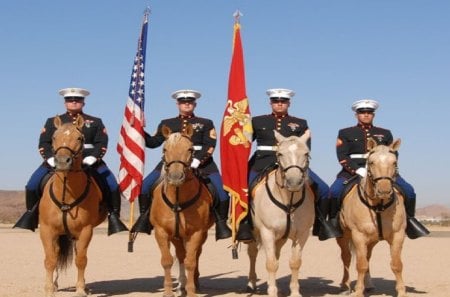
197	126
88	123
293	126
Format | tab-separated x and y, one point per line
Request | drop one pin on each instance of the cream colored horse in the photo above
283	208
373	211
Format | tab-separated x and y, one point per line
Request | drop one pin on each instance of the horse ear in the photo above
189	131
278	136
79	122
371	144
396	145
306	135
166	131
57	122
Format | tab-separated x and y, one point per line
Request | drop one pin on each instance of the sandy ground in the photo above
112	271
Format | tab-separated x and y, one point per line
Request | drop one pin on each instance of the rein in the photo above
289	208
179	207
63	206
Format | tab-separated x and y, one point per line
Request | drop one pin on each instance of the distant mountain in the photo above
433	211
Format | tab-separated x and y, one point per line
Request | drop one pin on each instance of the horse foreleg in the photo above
50	244
252	252
268	243
180	252
166	260
294	264
192	246
346	257
368	284
81	247
362	265
396	263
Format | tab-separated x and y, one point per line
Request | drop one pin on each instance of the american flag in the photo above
131	144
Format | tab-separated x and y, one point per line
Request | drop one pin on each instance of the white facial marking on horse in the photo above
292	147
67	132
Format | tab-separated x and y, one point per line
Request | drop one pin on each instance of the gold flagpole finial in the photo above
237	15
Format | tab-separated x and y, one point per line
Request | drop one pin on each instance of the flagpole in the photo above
132	235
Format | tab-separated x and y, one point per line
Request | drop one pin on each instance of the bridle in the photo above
73	154
291	206
381	206
186	165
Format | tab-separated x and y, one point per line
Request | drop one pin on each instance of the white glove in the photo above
195	163
361	172
89	160
51	161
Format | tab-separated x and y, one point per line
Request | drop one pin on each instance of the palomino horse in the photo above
69	207
180	212
372	211
283	208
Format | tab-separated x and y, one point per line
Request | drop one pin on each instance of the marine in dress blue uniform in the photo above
351	149
204	141
95	147
264	156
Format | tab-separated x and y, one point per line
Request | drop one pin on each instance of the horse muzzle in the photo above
63	163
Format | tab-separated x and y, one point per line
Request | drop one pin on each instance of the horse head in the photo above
67	142
293	160
177	154
382	168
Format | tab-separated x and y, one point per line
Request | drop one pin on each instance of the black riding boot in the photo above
29	220
327	228
114	223
333	216
221	217
143	224
244	232
321	209
414	228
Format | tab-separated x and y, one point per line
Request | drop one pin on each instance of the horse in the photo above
180	212
372	211
69	208
283	208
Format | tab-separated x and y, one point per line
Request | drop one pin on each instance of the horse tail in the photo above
65	254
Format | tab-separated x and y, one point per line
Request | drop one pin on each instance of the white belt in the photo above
266	148
197	147
88	146
358	156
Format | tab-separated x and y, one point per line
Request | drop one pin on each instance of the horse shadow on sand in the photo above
220	284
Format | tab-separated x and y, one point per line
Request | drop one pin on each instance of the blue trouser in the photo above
215	178
337	188
322	186
103	171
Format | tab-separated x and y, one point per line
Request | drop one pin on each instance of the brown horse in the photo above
69	208
373	211
180	212
283	208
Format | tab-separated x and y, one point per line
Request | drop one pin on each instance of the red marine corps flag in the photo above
236	135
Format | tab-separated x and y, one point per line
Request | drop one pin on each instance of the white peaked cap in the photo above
74	92
186	94
280	93
367	104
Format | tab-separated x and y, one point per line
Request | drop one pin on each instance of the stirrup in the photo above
222	230
115	224
415	229
330	229
142	224
29	221
245	233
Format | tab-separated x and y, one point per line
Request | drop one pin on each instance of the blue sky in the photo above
330	52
